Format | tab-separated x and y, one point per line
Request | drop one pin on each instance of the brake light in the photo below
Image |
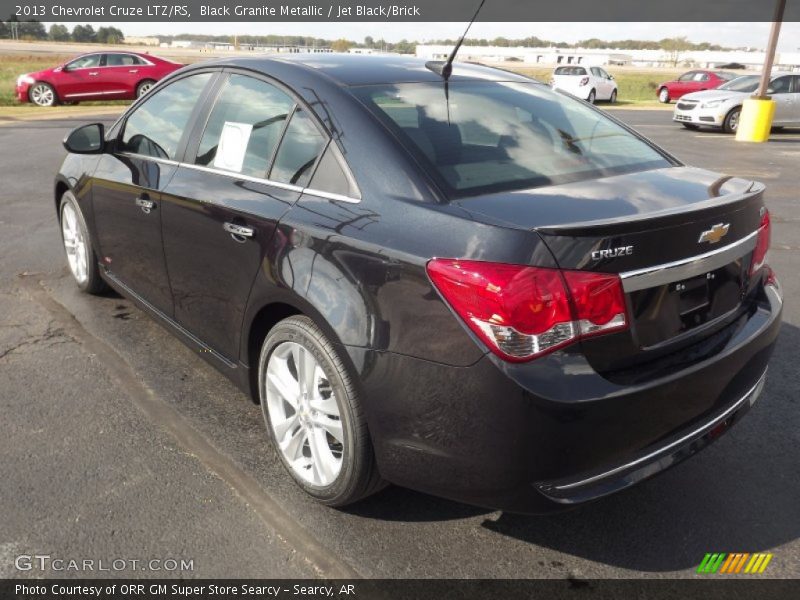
523	312
584	81
762	244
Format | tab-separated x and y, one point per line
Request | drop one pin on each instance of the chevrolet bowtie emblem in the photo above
715	234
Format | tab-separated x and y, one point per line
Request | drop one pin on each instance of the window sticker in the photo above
232	146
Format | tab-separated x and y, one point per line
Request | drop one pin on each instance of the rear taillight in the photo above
762	244
524	312
584	81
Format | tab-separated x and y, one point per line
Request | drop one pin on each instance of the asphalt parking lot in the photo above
119	442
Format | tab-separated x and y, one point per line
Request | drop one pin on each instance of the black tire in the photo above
359	475
70	102
663	96
42	94
691	126
731	122
143	87
778	129
94	283
592	97
613	98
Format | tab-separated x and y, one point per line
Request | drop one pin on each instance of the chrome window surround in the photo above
278	184
686	268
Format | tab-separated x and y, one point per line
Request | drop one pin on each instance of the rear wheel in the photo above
144	87
691	126
592	97
42	94
731	122
314	415
81	258
663	95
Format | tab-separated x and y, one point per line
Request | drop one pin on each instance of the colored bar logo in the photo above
734	563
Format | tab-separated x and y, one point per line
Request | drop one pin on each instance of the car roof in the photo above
357	69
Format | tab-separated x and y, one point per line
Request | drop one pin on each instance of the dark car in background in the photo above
692	81
94	76
477	288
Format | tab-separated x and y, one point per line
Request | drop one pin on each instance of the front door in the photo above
128	184
780	89
222	206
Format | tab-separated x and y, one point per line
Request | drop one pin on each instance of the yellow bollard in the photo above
755	121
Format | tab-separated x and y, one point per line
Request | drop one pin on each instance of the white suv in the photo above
587	83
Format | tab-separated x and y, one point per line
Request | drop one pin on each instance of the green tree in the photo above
674	47
58	33
369	42
109	35
341	45
32	30
83	33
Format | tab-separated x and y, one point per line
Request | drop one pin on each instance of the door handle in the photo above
93	73
239	232
133	70
145	204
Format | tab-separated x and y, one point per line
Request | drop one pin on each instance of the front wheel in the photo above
314	415
81	258
592	97
731	122
42	94
613	98
663	96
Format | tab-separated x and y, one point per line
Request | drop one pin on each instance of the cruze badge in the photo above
715	234
612	252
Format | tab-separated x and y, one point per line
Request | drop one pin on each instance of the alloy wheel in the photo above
74	244
144	88
663	95
304	414
42	95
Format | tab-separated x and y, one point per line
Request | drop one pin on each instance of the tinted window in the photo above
299	150
701	77
155	128
781	85
122	60
245	126
796	88
331	177
726	75
687	76
596	72
570	71
85	62
499	136
746	83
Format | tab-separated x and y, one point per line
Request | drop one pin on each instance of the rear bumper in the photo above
536	437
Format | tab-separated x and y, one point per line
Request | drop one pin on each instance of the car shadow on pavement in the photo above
738	495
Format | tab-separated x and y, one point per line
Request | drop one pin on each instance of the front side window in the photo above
781	85
244	126
301	146
84	62
156	127
495	136
687	76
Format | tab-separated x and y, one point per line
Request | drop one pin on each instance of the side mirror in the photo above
611	77
87	139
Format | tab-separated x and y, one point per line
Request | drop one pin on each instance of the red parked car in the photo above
94	76
693	81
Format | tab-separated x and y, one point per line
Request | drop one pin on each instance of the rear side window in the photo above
331	176
299	150
244	126
156	127
122	60
570	71
495	136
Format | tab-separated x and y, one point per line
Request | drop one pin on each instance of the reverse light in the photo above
762	244
523	312
584	81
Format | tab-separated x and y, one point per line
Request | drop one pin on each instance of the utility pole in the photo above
769	59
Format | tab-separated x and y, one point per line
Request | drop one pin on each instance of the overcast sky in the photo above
726	34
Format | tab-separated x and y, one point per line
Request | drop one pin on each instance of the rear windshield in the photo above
570	71
493	137
747	83
726	75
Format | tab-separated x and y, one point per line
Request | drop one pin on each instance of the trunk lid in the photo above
680	238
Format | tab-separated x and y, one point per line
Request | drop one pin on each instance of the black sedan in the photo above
466	283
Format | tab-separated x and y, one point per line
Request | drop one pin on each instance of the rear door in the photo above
121	74
128	186
781	91
250	159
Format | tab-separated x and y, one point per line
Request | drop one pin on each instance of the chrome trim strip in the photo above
286	186
685	268
753	392
165	161
331	196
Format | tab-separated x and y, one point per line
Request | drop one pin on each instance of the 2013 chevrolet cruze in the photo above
475	286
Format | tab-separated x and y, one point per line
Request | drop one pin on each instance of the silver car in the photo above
720	108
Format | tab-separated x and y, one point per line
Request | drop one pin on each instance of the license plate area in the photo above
674	309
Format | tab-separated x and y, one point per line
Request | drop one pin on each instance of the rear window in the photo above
494	136
570	71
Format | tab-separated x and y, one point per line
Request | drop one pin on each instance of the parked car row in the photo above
94	76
